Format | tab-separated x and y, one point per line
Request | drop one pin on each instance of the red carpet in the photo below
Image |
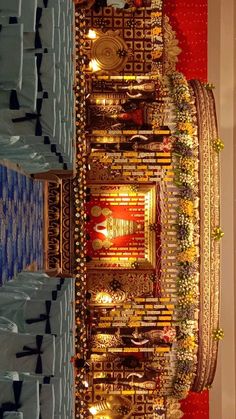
196	406
189	20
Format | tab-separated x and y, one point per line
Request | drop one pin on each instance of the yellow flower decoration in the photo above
218	145
186	300
218	233
218	334
187	255
186	126
187	164
155	14
156	31
156	54
159	401
185	95
209	86
188	343
187	207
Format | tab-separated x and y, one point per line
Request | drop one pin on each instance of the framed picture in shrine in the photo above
121	226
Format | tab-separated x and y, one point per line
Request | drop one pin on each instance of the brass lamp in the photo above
114	407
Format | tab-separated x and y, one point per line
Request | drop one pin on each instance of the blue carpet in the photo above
21	222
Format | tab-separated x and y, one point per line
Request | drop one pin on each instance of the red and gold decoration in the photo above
147	223
80	219
118	226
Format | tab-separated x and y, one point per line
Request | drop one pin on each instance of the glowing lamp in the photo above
93	410
92	34
103	298
93	65
99	407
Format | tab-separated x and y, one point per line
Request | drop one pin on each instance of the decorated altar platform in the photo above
147	222
131	204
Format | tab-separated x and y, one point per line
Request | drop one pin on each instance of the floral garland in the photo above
80	191
185	149
156	29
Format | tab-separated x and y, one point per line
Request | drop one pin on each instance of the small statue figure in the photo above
138	90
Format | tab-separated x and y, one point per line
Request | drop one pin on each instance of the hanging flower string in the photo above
80	190
156	29
186	179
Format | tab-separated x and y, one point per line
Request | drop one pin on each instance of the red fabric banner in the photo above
189	20
128	214
196	405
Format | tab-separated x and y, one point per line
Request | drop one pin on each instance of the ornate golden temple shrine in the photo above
144	223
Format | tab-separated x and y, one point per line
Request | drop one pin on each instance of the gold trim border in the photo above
209	248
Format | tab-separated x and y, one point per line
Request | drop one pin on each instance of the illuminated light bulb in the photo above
93	65
103	298
99	407
93	410
92	34
86	384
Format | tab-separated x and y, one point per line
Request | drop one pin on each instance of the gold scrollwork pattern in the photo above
210	249
171	46
59	226
53	227
67	228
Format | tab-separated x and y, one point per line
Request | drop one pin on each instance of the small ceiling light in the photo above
92	34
